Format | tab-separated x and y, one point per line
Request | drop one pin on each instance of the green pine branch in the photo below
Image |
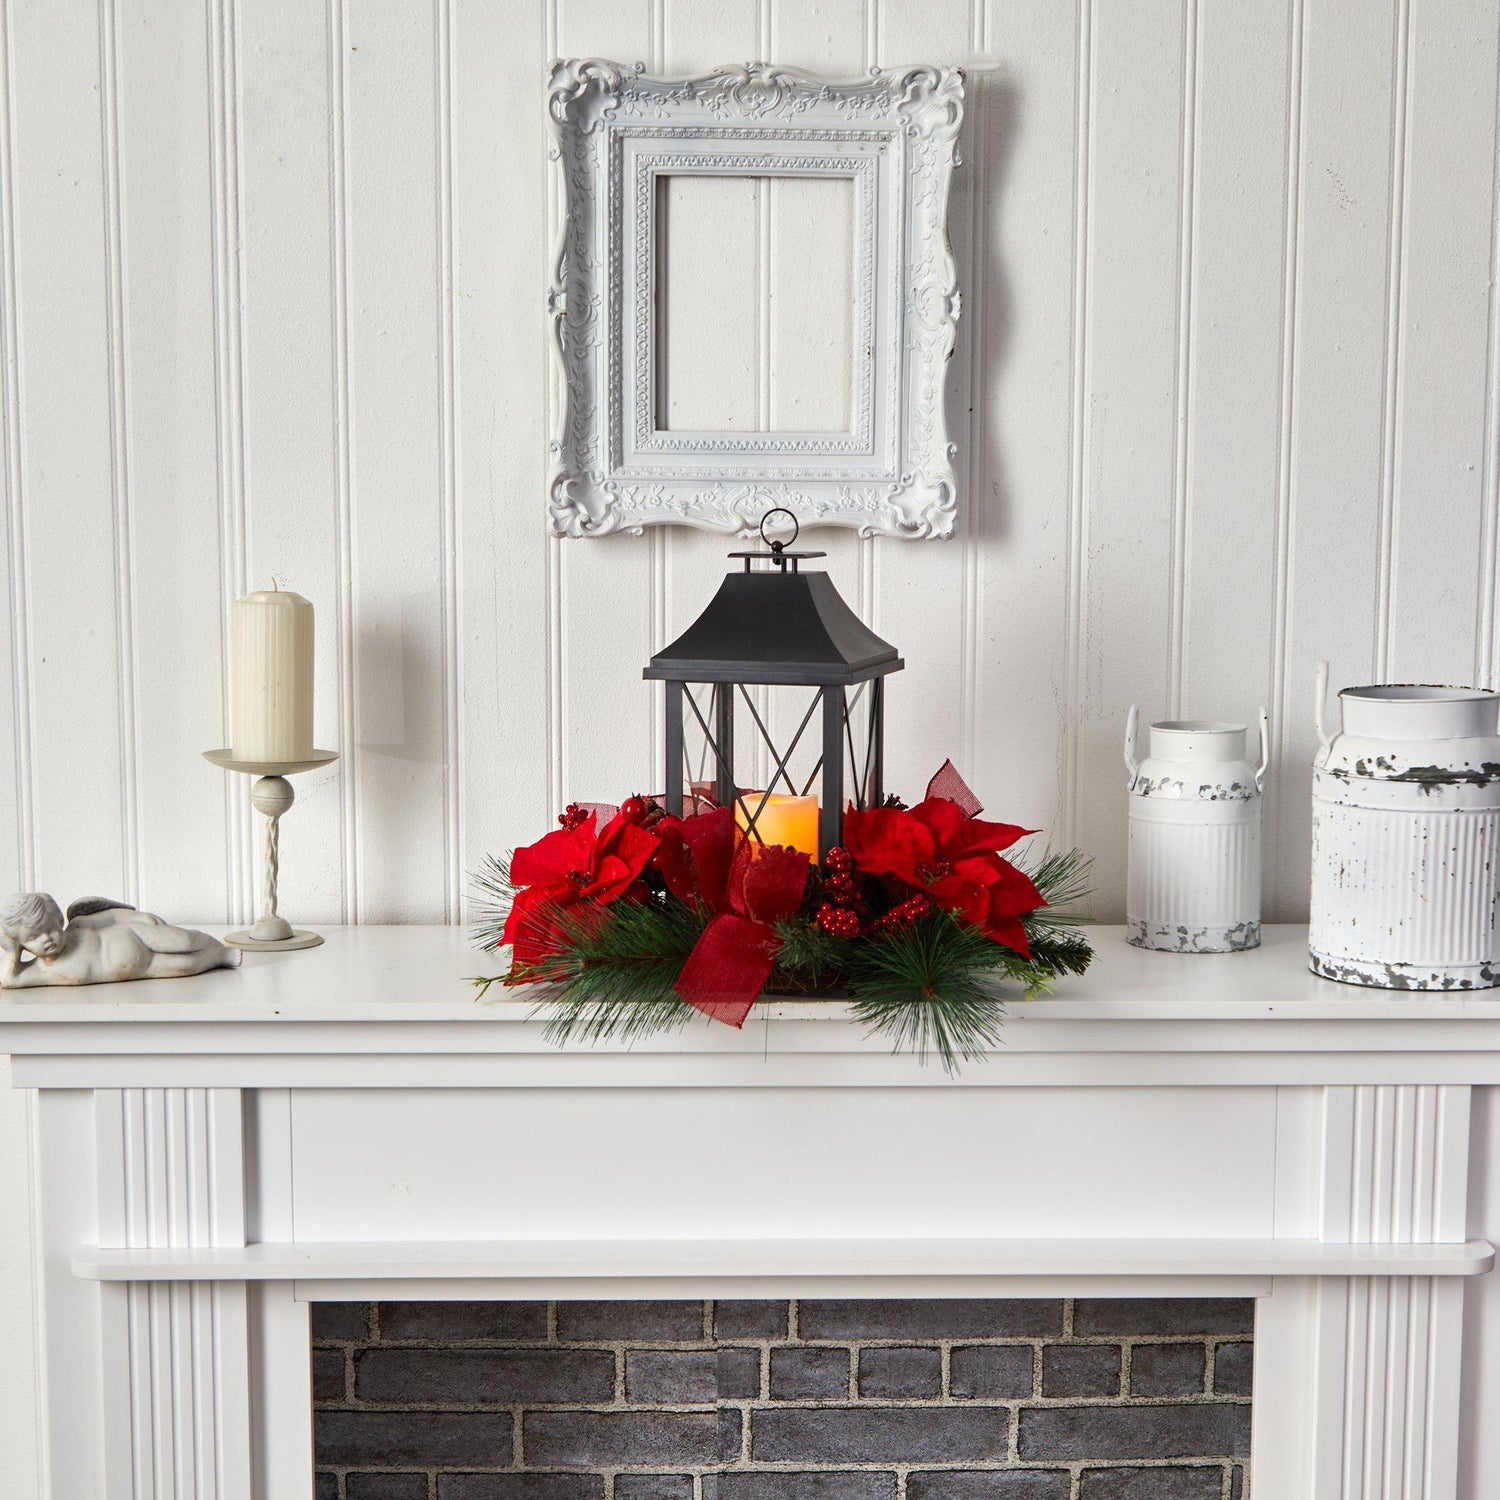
930	988
614	975
493	897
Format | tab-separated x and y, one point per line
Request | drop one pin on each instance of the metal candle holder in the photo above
272	795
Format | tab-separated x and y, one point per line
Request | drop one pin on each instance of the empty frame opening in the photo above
754	303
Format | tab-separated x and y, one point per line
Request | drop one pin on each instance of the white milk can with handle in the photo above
1406	838
1193	882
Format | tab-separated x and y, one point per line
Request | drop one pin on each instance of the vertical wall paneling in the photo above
119	443
502	363
609	616
972	377
553	596
916	595
17	850
1485	665
661	544
21	1428
1187	213
1278	798
1078	376
345	643
1129	416
165	370
1394	329
1337	388
1228	429
288	364
1438	435
695	37
1227	307
229	430
61	271
396	445
449	554
1020	450
839	43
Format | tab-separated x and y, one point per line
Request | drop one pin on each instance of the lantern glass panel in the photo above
748	743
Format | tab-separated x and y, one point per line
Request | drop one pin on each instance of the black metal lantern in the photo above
772	627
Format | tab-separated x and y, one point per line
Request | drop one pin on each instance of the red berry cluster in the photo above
916	906
839	914
571	816
837	921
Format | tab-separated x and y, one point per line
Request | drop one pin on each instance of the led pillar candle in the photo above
792	821
271	708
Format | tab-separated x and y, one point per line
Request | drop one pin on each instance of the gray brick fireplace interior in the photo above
1027	1399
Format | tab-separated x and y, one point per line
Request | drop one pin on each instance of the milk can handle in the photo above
1324	738
1265	750
1131	763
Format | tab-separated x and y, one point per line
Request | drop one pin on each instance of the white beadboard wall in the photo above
273	306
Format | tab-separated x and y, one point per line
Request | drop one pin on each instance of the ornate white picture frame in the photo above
893	136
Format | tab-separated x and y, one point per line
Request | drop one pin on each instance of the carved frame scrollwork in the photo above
617	131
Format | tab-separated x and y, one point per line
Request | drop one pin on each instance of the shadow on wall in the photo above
991	128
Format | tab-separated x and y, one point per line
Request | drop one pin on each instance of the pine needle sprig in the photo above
1055	951
493	897
613	979
926	987
809	958
1062	876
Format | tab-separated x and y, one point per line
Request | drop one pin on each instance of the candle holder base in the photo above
298	939
272	796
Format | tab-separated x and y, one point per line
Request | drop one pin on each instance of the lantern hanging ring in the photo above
779	547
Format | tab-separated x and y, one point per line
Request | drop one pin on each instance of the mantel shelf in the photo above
396	1007
676	1259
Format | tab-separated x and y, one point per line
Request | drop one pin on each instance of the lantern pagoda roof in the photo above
781	626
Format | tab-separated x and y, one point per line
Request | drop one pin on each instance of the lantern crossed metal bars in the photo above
774	625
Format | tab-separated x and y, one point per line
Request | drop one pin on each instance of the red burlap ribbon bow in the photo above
749	888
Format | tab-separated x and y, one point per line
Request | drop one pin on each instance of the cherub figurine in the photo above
101	941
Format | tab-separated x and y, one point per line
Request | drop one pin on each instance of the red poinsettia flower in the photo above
570	868
937	848
706	862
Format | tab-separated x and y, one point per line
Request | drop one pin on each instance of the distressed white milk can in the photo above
1193	882
1406	838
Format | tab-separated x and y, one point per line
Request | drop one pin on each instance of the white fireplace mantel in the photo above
351	1122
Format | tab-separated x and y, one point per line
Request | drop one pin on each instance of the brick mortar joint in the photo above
764	1345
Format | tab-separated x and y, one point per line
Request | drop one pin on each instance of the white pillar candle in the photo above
271	707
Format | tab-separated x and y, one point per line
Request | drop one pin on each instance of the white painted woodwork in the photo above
917	1267
271	302
174	1368
214	1156
370	1156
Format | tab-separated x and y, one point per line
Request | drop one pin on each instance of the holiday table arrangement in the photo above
639	917
637	920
